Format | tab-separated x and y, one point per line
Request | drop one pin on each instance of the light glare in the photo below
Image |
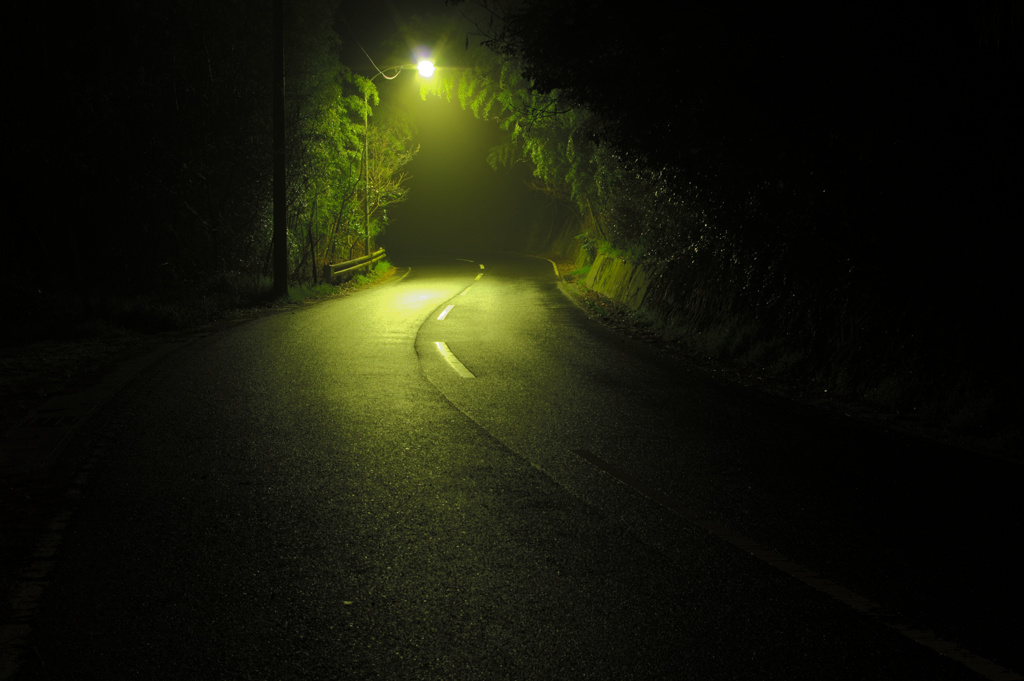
426	68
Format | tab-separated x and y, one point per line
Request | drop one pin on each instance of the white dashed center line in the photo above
453	361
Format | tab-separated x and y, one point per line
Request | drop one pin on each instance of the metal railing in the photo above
332	271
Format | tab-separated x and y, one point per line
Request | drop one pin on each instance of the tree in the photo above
326	107
155	122
834	179
280	235
390	148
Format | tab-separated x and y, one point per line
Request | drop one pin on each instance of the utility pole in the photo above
279	249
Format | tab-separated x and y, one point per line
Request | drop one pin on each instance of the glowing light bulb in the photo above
426	68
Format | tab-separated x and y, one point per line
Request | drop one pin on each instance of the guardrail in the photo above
331	271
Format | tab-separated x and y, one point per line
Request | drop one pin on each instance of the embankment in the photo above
817	351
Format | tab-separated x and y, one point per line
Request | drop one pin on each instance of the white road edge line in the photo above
553	265
453	361
444	314
976	663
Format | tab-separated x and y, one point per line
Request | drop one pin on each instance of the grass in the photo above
304	292
311	292
379	270
594	247
580	273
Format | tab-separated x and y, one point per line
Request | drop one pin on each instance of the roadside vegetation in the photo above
833	208
162	164
841	224
144	181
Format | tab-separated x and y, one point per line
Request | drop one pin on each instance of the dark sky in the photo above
457	202
378	27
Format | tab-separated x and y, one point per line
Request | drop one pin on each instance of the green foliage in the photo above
390	148
174	174
745	241
309	291
589	245
582	272
559	142
332	194
380	268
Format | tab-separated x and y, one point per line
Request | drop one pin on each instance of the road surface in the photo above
458	475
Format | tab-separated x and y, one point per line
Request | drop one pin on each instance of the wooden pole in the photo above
280	236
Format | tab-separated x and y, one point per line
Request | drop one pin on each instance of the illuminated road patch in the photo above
475	279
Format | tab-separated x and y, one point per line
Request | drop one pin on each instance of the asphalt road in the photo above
383	486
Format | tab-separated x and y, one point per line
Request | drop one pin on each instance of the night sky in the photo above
457	203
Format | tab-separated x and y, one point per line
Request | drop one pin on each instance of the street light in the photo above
426	69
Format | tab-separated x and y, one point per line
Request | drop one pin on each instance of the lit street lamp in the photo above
426	69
